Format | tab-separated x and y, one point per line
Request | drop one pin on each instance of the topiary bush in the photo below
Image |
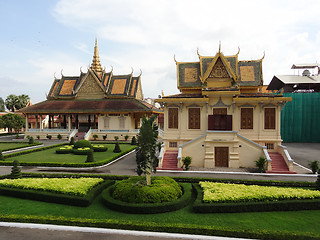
82	144
318	182
261	164
186	162
90	157
72	142
31	140
59	136
117	148
314	165
1	155
15	170
133	141
135	190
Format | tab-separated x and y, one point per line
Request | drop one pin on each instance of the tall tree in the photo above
1	105
14	102
146	158
12	121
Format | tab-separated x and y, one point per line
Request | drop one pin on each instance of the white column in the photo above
40	122
27	123
69	123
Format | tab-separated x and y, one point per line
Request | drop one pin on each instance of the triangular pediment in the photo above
219	68
90	87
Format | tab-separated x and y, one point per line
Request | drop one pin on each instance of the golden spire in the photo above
96	61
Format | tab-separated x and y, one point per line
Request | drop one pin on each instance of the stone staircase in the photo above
80	135
170	161
278	164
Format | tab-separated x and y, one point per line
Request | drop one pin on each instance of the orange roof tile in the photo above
67	87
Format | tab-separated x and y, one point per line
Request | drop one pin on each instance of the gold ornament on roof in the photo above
96	60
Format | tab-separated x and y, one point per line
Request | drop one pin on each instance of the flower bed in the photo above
82	151
71	186
221	192
65	149
99	148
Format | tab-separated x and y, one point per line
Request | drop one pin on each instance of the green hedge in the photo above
248	182
18	147
286	205
147	208
56	197
82	151
162	227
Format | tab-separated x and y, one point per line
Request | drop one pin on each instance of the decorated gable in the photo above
189	75
90	88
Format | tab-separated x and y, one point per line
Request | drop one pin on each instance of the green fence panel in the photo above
300	118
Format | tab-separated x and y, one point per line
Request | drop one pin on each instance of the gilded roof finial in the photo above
96	60
220	46
238	51
264	54
198	52
174	58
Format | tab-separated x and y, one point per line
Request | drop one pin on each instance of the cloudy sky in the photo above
40	38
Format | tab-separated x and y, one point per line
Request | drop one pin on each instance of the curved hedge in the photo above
82	151
147	208
135	190
99	148
65	149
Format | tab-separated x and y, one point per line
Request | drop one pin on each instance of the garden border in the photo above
284	205
52	197
147	208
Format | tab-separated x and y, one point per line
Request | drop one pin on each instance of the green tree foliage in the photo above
133	141
12	121
15	170
146	158
1	105
14	102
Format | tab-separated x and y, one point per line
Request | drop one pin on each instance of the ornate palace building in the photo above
94	103
221	118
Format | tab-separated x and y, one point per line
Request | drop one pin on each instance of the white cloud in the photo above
153	30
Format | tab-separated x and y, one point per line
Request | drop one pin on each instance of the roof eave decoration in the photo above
225	63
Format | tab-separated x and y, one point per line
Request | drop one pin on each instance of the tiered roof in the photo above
194	75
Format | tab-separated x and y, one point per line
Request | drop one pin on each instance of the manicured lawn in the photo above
50	155
4	146
297	221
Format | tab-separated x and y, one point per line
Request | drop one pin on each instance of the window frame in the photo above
245	122
173	120
194	118
270	120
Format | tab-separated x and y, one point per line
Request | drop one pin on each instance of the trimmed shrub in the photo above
72	142
38	137
133	141
117	148
104	137
1	156
99	148
318	182
314	165
147	208
82	151
59	136
90	157
49	137
126	137
135	190
116	138
82	144
16	170
31	140
95	136
186	162
261	164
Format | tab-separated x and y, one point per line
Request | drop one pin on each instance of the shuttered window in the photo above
246	118
194	118
269	118
173	117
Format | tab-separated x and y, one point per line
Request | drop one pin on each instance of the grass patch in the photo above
50	156
6	146
299	222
